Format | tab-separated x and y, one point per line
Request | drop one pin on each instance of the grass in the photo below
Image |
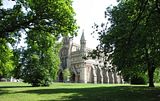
78	92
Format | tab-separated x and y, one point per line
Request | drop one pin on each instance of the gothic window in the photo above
65	63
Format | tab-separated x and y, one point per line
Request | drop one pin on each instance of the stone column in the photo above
110	74
118	79
101	75
113	77
94	74
122	80
107	76
83	73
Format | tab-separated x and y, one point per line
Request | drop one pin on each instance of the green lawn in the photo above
78	92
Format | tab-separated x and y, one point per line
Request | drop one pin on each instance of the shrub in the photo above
139	79
157	75
66	75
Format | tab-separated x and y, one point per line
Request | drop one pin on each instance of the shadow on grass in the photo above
3	91
118	93
14	86
113	93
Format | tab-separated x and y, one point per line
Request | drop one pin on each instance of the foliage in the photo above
139	79
41	60
132	40
56	17
157	75
6	56
43	22
66	74
17	58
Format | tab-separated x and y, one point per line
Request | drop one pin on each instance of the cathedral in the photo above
84	70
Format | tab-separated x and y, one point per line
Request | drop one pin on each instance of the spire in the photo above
83	42
82	37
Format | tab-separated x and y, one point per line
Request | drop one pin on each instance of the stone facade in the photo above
84	71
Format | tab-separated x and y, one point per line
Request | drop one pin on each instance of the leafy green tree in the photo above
53	18
41	59
56	17
157	75
132	40
6	63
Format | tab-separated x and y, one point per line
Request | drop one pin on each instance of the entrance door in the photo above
73	77
60	76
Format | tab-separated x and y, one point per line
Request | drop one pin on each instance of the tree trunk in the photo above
1	77
151	76
150	67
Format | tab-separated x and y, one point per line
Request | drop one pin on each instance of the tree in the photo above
40	19
133	37
66	74
6	63
41	60
55	15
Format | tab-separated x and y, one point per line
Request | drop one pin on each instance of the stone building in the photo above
84	71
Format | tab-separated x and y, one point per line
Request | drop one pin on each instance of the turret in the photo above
65	52
83	43
66	41
83	73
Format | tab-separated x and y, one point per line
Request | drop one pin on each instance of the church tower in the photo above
65	53
83	43
66	42
83	73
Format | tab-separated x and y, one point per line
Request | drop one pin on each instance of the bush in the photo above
157	75
139	79
66	75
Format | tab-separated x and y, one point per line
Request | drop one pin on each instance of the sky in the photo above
89	12
8	3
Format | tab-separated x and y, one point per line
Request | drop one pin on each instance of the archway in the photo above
73	77
60	76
